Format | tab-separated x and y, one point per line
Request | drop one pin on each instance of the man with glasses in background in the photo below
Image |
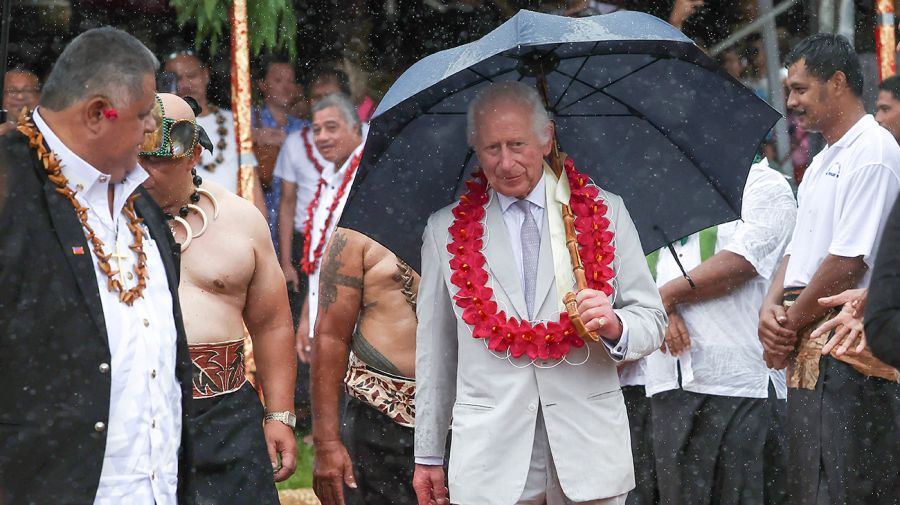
192	79
21	91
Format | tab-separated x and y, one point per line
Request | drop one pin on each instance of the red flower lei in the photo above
552	339
309	152
307	264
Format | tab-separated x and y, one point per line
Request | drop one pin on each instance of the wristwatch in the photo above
285	417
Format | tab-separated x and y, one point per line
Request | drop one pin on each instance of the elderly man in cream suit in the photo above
527	431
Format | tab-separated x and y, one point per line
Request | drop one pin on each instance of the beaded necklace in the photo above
52	167
192	205
221	144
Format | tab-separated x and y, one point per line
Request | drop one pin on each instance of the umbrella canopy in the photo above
637	105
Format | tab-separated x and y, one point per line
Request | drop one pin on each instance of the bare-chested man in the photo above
367	299
229	278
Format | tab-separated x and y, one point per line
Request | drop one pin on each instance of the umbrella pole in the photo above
556	164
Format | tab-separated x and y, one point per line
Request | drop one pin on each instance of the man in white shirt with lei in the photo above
338	136
94	358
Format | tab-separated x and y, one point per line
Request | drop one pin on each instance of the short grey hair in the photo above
102	61
516	92
344	106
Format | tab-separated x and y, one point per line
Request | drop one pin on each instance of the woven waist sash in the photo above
803	363
218	368
391	395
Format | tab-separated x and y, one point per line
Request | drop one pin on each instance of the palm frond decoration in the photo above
272	23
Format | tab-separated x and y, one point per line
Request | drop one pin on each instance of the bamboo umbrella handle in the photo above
556	160
580	281
575	318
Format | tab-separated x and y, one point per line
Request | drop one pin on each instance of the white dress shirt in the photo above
845	197
293	165
225	173
319	234
725	357
513	217
143	431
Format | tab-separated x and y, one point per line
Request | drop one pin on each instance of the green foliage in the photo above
302	477
272	24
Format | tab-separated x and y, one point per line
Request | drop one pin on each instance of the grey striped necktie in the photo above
531	246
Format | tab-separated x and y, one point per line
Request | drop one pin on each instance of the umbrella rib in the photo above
463	88
462	171
572	78
636	113
600	90
479	74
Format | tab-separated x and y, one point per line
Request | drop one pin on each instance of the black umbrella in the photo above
637	105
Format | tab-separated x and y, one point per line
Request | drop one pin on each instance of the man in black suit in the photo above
93	359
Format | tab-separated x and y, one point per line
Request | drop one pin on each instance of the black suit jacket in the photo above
883	303
53	340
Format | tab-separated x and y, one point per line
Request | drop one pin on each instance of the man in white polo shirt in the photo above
842	409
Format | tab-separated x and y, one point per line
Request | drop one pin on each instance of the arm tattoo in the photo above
330	278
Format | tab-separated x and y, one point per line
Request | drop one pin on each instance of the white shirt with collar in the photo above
295	166
143	430
844	200
225	173
725	357
319	234
513	217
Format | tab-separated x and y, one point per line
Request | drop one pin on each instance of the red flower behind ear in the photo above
110	113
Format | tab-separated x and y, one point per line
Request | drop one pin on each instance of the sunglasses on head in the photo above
172	138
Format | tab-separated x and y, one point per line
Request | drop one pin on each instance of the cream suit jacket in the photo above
494	405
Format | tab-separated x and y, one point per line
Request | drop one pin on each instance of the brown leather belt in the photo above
393	396
803	363
218	368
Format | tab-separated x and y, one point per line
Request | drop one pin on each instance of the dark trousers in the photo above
638	406
382	455
844	439
230	461
296	297
716	450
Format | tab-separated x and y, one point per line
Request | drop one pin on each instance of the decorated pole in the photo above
243	132
885	44
240	98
